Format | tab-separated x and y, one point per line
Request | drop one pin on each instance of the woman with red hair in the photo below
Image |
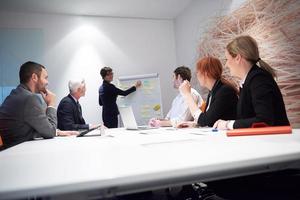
222	97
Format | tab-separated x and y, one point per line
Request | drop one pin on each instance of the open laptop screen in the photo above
128	118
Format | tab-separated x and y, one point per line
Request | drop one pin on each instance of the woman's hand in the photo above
221	124
138	84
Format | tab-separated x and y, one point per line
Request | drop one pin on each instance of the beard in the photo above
176	83
40	87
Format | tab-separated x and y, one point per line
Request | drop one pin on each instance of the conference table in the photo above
127	161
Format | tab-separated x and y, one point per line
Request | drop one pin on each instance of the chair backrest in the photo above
1	143
203	106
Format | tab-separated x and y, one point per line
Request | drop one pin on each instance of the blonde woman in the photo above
260	98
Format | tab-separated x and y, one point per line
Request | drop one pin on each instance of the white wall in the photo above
193	21
77	46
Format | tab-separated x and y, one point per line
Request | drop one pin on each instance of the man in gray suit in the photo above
22	115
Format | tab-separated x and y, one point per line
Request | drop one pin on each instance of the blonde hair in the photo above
247	47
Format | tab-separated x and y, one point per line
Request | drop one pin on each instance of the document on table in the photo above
199	131
172	135
194	131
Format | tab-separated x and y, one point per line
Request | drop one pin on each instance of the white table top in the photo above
124	161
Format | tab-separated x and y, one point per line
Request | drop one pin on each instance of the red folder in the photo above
260	131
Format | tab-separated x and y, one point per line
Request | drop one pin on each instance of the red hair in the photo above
212	68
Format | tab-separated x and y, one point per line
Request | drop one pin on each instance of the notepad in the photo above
260	131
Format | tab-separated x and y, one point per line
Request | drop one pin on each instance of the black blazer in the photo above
223	101
68	115
260	101
108	94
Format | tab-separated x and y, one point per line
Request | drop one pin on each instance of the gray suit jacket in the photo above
23	117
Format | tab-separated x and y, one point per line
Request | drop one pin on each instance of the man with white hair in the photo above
69	113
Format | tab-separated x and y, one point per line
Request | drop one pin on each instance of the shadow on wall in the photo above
275	26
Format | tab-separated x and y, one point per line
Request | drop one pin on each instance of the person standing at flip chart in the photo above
108	94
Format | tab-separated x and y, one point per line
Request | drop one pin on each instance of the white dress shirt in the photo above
180	110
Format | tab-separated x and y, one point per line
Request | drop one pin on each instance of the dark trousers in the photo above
109	120
268	186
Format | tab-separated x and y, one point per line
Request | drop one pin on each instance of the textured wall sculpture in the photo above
275	25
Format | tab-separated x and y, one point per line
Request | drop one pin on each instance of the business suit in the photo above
108	94
23	117
69	115
222	101
260	101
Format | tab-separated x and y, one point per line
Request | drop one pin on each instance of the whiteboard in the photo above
146	100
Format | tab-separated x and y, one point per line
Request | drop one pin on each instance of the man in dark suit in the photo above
22	114
108	94
69	112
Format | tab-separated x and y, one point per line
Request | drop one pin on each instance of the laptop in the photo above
128	119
